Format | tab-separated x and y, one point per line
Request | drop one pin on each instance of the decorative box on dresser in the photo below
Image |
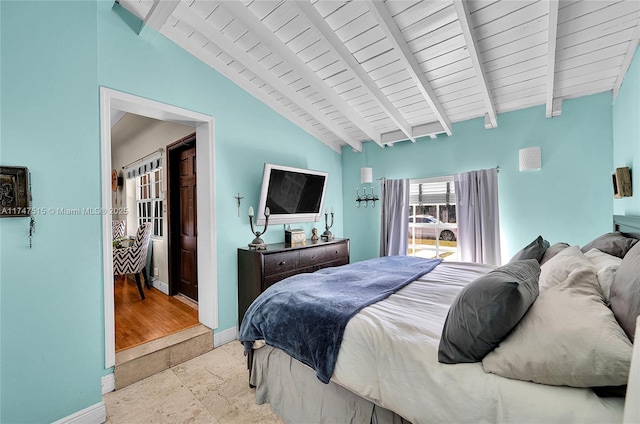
259	269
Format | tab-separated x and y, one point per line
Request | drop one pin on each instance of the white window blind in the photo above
147	164
434	192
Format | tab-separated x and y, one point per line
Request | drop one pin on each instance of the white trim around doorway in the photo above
113	102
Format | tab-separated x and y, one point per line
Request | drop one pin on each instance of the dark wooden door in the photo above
188	225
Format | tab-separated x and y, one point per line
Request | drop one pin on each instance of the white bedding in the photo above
389	356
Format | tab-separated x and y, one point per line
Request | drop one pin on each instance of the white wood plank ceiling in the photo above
388	71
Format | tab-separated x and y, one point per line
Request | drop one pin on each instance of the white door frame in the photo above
114	103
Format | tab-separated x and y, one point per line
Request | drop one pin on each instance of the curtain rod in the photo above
160	150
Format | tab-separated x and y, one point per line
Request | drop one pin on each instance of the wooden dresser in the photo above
258	269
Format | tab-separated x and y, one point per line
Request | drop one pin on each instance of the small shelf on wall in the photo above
622	183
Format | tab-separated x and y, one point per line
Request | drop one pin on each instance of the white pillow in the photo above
606	266
558	268
568	337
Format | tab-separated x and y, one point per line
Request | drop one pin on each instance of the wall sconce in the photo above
530	159
366	177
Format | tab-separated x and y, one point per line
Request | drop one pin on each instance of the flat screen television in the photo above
293	195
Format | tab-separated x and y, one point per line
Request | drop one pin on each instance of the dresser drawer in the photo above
310	257
278	263
336	252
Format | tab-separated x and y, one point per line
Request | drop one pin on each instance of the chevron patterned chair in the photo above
118	228
132	260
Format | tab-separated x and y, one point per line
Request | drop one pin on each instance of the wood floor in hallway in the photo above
139	321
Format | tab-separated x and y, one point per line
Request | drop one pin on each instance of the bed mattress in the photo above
389	355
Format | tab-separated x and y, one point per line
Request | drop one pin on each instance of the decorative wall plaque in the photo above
15	198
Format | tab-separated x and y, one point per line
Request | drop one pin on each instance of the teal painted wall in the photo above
51	311
626	136
55	56
567	200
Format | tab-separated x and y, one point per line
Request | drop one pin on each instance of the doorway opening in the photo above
113	105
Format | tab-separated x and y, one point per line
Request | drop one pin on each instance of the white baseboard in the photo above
161	285
108	383
224	336
95	414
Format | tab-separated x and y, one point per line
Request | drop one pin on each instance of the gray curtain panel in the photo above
478	217
394	226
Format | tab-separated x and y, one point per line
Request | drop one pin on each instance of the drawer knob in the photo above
282	263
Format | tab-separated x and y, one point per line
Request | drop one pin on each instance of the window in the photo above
149	200
433	228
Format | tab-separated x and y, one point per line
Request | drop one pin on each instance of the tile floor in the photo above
211	388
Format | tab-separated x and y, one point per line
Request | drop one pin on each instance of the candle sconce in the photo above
257	242
366	198
327	235
366	177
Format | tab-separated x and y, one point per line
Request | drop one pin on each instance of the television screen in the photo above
292	194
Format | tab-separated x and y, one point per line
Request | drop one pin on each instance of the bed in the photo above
392	364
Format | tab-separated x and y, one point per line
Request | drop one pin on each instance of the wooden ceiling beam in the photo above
246	60
244	15
424	130
159	13
551	56
352	65
395	37
464	16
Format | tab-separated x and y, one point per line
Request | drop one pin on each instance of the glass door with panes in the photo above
433	228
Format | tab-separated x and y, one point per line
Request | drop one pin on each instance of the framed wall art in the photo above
15	198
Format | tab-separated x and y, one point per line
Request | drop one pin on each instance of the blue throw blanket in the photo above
305	315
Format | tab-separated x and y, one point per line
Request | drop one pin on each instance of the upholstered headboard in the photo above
627	224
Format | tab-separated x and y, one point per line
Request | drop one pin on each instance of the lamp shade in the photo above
530	159
366	175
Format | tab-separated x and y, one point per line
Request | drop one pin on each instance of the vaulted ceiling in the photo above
388	71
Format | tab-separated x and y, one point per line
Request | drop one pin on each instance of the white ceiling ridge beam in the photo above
252	22
159	13
352	64
395	37
249	62
464	16
551	55
422	130
628	57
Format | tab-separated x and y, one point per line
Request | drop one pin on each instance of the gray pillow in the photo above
616	244
552	251
625	291
533	250
486	310
568	338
